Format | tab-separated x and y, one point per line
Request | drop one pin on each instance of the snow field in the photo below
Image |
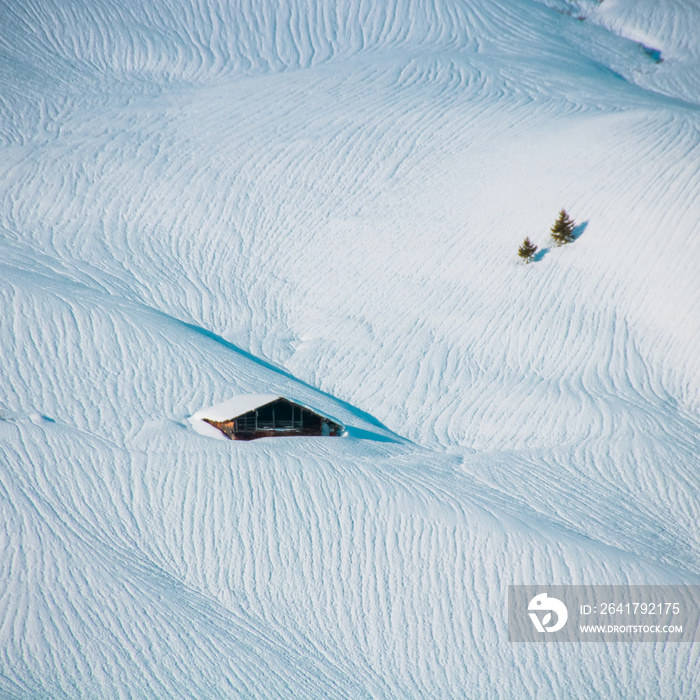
325	200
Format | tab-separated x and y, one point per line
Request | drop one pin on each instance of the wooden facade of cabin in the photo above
279	418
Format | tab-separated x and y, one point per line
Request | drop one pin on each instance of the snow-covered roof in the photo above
235	406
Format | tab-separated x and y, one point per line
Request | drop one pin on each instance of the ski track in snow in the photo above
324	200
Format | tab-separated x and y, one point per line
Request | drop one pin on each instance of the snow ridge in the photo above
205	198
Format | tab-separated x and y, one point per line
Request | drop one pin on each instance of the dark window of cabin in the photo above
279	415
282	415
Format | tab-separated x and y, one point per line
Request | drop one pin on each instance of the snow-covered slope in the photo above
203	198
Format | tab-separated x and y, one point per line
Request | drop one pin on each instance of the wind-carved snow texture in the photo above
324	200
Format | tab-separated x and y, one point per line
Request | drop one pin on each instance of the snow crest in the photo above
324	200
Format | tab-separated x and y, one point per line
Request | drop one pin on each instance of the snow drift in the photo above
205	198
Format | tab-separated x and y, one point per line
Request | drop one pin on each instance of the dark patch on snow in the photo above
362	434
540	254
579	230
654	54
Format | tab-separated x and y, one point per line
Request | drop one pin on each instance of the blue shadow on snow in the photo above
577	233
359	433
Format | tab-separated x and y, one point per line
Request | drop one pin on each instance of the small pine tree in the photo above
563	229
527	250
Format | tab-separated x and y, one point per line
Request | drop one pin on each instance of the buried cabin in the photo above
252	416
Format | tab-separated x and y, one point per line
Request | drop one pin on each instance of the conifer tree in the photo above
527	250
563	229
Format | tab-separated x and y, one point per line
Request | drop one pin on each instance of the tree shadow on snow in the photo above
578	231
